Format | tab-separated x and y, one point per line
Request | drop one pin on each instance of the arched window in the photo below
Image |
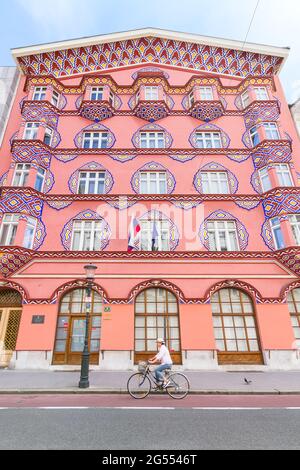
293	299
235	327
156	316
70	330
10	317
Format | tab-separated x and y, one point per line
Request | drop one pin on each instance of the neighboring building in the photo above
295	110
8	85
192	140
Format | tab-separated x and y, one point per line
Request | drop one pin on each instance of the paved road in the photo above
111	422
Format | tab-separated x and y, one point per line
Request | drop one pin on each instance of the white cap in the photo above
160	340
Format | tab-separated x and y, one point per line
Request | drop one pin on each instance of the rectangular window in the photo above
208	140
8	229
40	179
155	239
152	140
96	93
261	93
55	98
215	182
254	136
222	235
48	136
39	93
153	182
111	99
31	130
86	235
271	131
277	233
264	179
245	99
283	174
95	140
151	93
191	98
206	93
29	233
21	174
91	182
295	224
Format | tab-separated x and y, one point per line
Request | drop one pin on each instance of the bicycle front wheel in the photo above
138	385
178	386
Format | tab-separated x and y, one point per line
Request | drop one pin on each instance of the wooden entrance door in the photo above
9	327
70	331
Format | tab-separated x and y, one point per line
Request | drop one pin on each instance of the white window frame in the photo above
39	93
98	91
31	130
12	221
48	133
271	127
111	98
191	98
284	175
96	226
212	178
55	98
163	229
216	229
206	93
151	93
29	233
209	140
100	176
21	174
294	220
98	137
264	177
254	133
40	175
245	98
156	177
275	226
156	137
261	93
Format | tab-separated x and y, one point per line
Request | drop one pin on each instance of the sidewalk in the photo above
203	382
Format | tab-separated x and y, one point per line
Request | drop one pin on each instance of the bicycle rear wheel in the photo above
178	385
138	385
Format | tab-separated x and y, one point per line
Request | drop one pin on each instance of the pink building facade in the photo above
192	139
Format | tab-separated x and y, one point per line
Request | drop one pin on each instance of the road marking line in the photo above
143	408
226	408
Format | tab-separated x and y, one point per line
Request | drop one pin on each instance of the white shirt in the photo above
163	355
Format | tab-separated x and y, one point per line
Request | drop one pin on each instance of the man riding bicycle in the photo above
163	356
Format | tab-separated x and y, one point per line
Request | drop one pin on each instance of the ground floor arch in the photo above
10	317
71	325
156	316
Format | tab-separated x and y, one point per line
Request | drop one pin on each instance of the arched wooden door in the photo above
70	330
156	316
10	317
235	328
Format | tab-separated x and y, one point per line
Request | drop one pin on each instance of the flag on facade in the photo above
154	244
134	231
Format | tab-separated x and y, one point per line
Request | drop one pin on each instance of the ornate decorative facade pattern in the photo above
3	179
238	157
78	140
96	111
21	203
66	234
39	235
59	205
185	205
281	202
213	166
40	111
255	182
207	110
92	166
149	50
182	158
151	128
32	152
248	205
122	158
267	235
269	152
151	70
223	215
209	128
12	261
261	111
153	166
121	203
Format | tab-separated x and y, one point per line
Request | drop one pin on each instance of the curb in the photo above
114	391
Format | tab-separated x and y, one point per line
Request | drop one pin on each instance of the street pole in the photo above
85	358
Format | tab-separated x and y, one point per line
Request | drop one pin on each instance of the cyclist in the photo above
163	356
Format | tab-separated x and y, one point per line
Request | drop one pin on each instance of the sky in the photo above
276	22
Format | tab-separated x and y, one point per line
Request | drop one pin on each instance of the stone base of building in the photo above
282	360
116	360
199	360
31	360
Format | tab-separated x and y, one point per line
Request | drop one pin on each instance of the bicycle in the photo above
140	383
